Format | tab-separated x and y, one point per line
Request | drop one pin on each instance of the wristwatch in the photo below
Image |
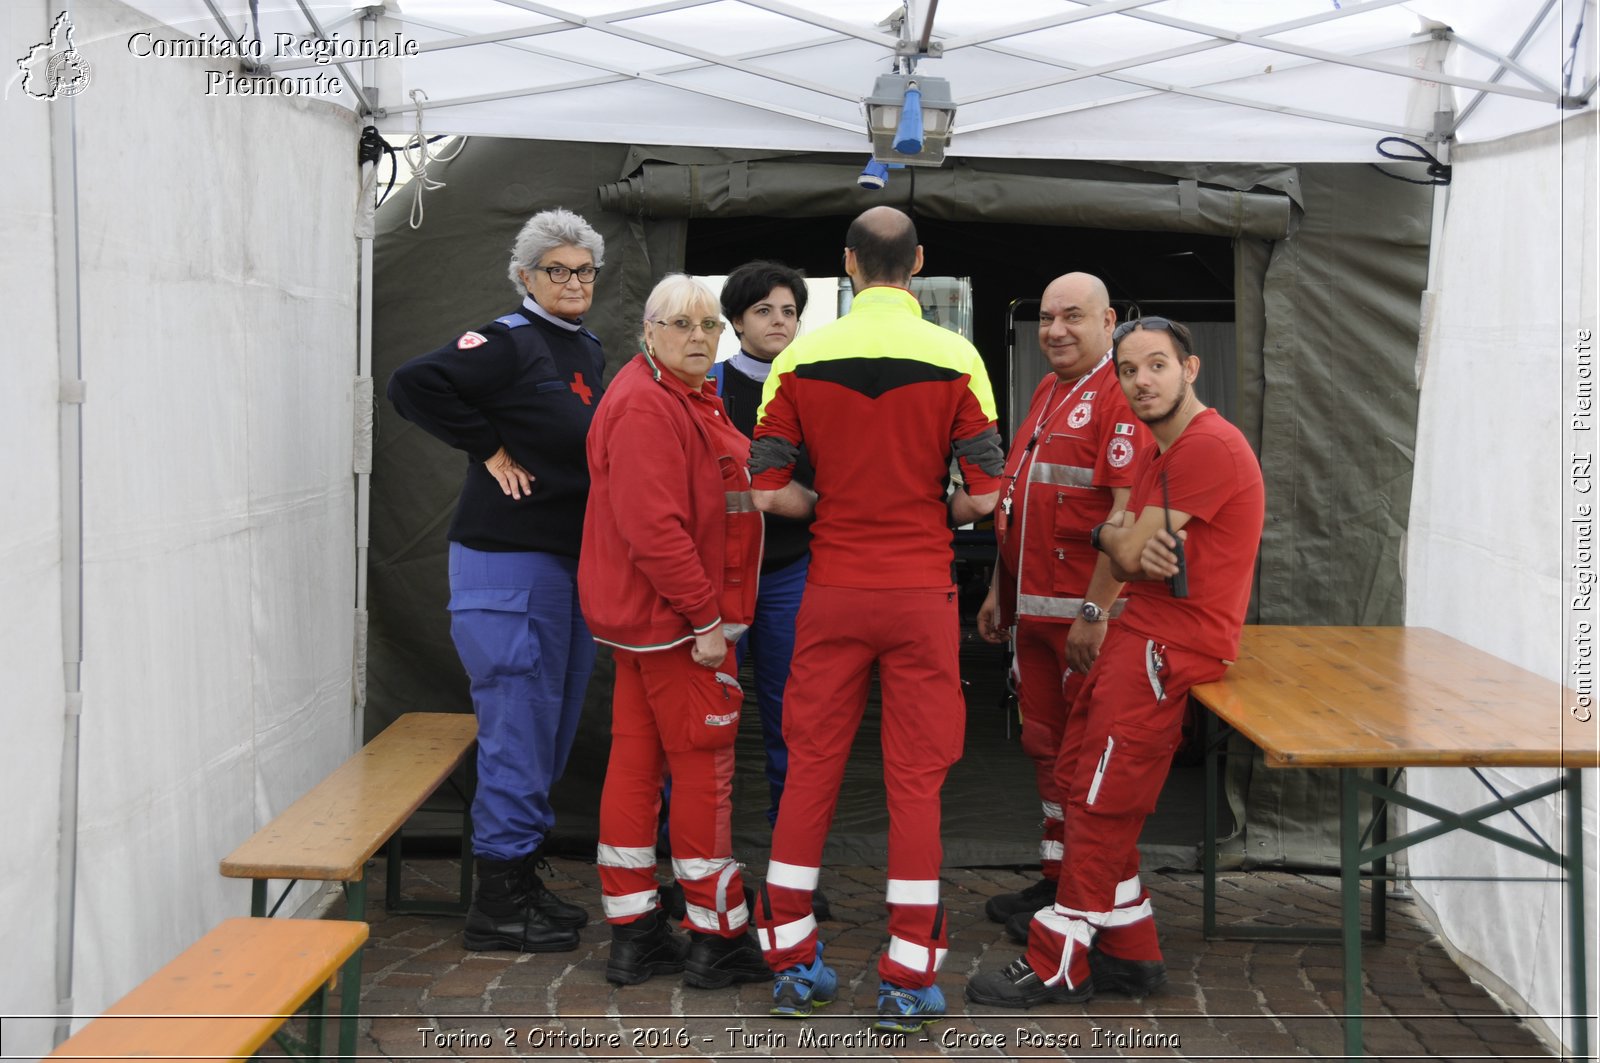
1092	613
1094	534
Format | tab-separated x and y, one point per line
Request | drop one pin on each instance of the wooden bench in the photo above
226	994
330	833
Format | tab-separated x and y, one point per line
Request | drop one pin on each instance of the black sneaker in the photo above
1002	907
643	948
1018	926
715	961
1018	987
1135	978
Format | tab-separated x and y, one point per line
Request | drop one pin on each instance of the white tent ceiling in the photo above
1182	80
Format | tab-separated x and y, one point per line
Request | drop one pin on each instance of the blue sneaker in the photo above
908	1010
797	990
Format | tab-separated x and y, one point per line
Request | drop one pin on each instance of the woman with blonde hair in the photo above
668	574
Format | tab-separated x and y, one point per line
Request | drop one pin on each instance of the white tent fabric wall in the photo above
218	277
1485	561
30	566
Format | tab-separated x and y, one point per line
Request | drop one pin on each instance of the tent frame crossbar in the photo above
1505	62
653	41
1257	41
1156	88
466	40
1177	51
1500	71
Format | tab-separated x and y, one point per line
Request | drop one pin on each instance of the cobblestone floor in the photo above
425	997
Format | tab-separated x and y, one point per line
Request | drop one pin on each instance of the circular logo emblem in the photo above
1079	415
1119	452
66	74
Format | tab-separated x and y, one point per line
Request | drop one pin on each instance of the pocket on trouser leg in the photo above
707	716
1133	766
492	633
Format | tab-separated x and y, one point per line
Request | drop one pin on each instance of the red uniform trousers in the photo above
1121	734
913	636
1046	691
672	716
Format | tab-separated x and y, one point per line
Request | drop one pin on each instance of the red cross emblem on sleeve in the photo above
582	390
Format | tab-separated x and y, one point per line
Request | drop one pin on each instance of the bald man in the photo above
881	400
1071	466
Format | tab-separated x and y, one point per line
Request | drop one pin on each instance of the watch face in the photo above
1091	612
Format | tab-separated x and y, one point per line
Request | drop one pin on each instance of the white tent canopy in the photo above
1175	80
187	293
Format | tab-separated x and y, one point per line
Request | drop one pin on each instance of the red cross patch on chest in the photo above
582	390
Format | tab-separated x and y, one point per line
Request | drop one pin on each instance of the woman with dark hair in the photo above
517	395
671	547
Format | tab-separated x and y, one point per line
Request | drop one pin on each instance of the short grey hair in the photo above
678	294
546	231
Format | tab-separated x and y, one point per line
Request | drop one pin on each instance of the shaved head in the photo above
1075	323
885	244
1083	289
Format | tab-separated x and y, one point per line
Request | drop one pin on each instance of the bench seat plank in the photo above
225	995
331	832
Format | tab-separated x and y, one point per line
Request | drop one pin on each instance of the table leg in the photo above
1576	920
1208	847
1350	898
1380	866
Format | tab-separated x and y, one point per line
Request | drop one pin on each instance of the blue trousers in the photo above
516	624
770	644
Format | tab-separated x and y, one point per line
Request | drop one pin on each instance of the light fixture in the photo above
909	119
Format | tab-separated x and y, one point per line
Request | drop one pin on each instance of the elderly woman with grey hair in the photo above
517	395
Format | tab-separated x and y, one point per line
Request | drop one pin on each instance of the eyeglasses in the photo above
1151	322
562	274
683	324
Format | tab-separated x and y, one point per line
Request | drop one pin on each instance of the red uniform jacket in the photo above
671	538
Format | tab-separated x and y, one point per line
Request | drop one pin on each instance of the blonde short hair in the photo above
680	295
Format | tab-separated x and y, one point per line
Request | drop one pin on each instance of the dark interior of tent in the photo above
1302	282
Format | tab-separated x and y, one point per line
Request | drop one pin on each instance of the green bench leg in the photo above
350	996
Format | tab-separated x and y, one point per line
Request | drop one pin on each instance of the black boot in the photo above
503	916
1003	906
556	910
715	961
642	948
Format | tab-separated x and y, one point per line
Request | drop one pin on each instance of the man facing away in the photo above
1202	487
881	400
1070	468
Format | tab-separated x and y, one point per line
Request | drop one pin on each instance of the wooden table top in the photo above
1392	697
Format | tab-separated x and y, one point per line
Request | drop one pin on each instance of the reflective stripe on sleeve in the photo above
1058	608
1051	809
1051	850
